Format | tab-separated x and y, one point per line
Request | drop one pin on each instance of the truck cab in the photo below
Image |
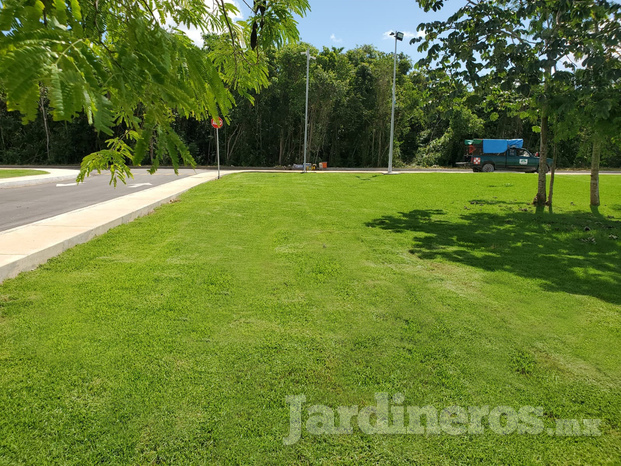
488	155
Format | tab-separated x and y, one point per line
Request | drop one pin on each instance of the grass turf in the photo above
13	173
175	339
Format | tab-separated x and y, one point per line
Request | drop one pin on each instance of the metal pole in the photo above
306	114
218	149
392	118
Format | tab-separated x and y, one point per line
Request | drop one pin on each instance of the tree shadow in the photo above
577	253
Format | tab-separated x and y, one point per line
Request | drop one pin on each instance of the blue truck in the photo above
488	155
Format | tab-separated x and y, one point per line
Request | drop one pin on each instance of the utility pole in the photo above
308	59
398	37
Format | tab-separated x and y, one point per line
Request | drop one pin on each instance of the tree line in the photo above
349	119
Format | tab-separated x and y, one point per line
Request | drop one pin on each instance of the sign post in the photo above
217	124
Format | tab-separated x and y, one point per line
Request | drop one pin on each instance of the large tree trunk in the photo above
597	153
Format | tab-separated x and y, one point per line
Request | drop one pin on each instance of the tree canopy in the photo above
548	51
130	68
349	119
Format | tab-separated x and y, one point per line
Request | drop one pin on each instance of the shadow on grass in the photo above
496	202
574	253
367	177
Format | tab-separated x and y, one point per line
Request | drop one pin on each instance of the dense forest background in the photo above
349	120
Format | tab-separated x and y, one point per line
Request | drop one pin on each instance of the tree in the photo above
286	100
598	79
131	70
521	46
448	118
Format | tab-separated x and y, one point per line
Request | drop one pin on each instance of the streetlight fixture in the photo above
309	57
398	37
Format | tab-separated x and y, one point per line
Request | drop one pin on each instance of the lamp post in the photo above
398	37
308	59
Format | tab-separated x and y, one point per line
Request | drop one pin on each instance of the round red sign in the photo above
217	123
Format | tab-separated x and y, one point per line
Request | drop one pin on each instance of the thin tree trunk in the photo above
301	145
552	172
282	147
373	141
45	125
597	153
290	147
310	141
231	147
379	150
323	145
2	138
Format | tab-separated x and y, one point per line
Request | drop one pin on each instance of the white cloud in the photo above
336	40
195	34
406	35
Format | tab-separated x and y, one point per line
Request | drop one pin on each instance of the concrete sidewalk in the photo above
26	247
55	175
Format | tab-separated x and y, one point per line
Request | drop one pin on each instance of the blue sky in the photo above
349	23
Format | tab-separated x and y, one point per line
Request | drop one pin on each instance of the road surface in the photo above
24	205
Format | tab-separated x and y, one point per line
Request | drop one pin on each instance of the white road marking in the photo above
62	185
138	185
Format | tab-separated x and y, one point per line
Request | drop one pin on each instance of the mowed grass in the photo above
175	339
13	173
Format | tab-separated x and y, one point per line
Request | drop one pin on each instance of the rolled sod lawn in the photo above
14	173
183	337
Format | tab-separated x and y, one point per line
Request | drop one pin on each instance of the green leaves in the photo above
120	65
19	73
101	113
520	47
113	159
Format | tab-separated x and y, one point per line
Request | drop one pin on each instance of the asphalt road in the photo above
20	206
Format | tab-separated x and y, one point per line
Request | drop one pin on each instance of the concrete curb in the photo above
26	247
54	176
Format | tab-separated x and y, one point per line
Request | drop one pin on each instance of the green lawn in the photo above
176	339
13	173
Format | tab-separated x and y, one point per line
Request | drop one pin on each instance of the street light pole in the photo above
308	59
398	37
